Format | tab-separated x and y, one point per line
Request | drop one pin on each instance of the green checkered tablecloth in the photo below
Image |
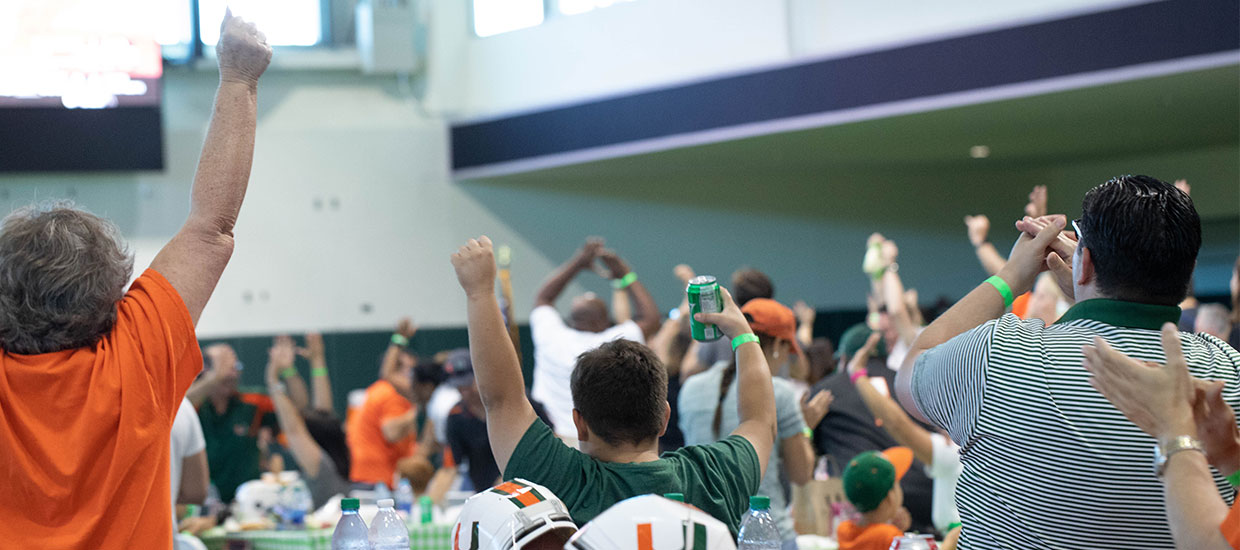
421	537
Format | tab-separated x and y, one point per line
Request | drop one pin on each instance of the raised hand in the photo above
731	321
242	51
684	273
805	314
815	409
1183	185
862	356
1059	259
1028	257
223	361
979	228
314	347
614	263
279	357
406	327
475	267
588	252
1216	426
1036	207
890	252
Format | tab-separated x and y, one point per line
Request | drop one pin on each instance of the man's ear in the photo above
667	417
583	430
1086	274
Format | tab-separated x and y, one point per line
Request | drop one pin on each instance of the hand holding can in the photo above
729	321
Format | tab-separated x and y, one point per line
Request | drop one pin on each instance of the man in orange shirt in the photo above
91	376
871	483
382	431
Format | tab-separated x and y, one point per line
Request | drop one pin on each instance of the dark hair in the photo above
325	429
1143	235
62	272
821	357
729	373
749	283
427	371
620	389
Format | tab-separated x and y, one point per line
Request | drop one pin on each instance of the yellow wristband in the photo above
1003	288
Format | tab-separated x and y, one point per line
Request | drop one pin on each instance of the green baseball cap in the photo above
871	475
854	339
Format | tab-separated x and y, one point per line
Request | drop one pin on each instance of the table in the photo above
421	537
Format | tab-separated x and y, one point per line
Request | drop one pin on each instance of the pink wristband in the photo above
854	376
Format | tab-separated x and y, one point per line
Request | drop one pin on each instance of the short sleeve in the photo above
545	324
153	315
393	405
541	456
789	419
728	462
627	330
195	442
710	353
948	381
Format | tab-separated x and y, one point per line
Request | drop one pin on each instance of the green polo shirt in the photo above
718	478
232	440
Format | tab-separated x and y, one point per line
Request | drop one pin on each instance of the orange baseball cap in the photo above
772	318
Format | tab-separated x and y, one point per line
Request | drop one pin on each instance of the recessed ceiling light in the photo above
979	151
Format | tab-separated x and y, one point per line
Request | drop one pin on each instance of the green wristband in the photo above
808	432
399	340
1003	288
318	371
625	281
1234	479
288	372
744	339
953	525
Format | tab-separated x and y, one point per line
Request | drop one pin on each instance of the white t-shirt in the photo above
442	400
556	347
186	441
945	471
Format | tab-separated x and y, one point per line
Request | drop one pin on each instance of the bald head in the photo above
589	313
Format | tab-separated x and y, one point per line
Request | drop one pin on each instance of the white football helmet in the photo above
651	522
511	516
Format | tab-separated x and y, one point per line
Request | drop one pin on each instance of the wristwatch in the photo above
1175	445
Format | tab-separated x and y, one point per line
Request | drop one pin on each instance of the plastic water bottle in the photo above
294	504
404	498
758	530
351	532
387	531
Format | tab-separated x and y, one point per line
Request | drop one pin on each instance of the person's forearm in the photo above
441	483
755	393
391	358
645	312
691	364
496	367
896	421
805	334
287	414
1194	507
400	427
982	304
320	386
297	391
990	258
621	307
661	342
200	390
893	297
555	284
224	167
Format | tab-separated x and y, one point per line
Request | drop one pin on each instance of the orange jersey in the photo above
1231	526
84	433
373	459
877	536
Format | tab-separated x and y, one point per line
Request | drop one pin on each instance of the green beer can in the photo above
704	297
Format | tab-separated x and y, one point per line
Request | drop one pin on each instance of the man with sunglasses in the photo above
1048	461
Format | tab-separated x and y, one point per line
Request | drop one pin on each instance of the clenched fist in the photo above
475	267
242	50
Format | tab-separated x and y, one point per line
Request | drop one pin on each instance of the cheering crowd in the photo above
1056	405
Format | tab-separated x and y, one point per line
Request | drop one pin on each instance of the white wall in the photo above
349	203
652	43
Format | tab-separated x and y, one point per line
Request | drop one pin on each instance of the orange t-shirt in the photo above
84	433
1020	306
373	459
877	536
1231	525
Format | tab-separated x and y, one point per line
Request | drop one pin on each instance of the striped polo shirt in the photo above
1049	462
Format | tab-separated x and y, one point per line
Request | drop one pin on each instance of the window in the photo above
493	17
575	7
285	22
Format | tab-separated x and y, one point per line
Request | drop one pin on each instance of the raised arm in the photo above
500	383
979	227
320	382
755	401
292	425
405	330
893	418
195	258
559	279
294	385
645	313
223	361
891	290
982	304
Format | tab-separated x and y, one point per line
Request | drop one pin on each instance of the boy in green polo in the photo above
620	410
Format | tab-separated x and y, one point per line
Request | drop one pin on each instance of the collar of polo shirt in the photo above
1122	314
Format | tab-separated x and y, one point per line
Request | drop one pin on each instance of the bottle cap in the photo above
759	502
678	497
350	504
386	503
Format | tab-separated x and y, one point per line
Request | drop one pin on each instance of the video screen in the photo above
81	85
